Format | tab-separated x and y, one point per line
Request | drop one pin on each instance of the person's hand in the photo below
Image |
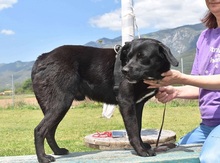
170	77
166	94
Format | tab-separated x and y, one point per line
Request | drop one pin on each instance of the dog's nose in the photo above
125	70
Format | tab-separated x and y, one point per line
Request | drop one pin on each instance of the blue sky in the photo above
29	28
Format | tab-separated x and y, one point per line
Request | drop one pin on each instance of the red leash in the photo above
102	134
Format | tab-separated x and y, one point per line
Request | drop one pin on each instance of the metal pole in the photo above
181	60
12	91
127	16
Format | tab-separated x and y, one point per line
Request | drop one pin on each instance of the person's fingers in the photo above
161	97
168	73
162	89
153	83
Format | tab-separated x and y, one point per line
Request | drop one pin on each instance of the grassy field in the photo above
17	124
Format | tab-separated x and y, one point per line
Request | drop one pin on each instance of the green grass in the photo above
17	124
20	96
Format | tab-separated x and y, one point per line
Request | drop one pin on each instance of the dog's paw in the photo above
46	159
151	152
165	147
146	150
61	151
146	153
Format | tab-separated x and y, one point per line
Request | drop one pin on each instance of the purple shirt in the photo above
207	62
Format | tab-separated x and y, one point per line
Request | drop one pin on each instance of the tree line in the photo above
24	88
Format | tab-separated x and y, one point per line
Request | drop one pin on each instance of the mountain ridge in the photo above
181	41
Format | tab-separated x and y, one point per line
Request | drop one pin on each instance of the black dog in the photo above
73	72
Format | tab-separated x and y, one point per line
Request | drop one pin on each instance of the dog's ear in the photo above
124	52
166	51
120	61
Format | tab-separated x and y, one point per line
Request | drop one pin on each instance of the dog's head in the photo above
145	59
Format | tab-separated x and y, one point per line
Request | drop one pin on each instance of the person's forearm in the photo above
187	92
211	82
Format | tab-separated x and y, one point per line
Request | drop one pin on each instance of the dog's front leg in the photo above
128	111
139	112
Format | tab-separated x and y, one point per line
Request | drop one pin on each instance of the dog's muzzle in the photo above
125	72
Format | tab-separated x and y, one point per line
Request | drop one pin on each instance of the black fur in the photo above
73	72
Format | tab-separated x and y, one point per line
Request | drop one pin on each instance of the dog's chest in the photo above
147	96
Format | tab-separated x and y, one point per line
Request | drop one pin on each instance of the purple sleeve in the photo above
195	67
194	70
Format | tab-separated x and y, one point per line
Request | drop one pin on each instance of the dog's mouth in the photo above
132	81
149	78
135	81
152	77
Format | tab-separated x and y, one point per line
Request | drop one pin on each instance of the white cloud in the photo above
156	14
108	20
7	32
7	3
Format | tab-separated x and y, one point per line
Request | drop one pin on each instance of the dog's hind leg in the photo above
39	134
52	142
47	127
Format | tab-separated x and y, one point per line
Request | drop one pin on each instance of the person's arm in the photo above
187	92
211	82
166	94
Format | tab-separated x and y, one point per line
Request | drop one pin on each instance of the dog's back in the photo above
77	70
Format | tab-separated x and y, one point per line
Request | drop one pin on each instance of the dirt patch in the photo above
27	100
9	102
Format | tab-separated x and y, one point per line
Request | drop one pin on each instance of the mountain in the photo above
180	40
20	71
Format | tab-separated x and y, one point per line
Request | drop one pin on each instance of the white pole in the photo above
181	60
12	91
127	16
127	28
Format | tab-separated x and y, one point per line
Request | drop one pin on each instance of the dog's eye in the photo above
139	55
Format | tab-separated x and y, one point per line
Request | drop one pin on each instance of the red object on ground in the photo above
105	134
